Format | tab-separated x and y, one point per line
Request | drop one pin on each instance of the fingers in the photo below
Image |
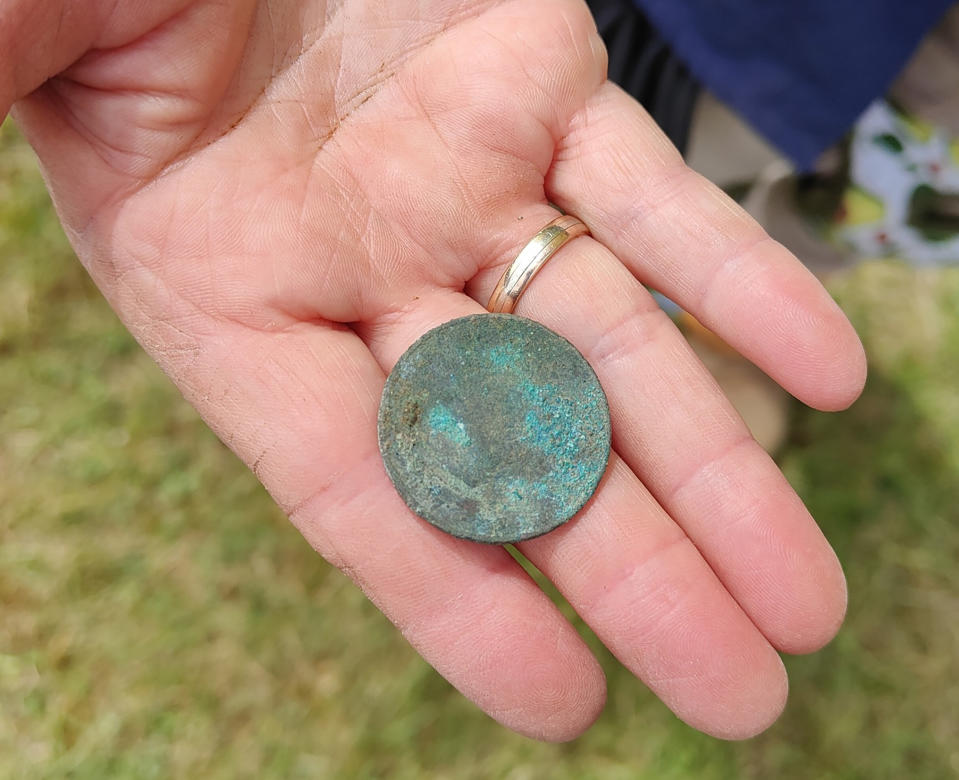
40	39
651	598
634	576
299	406
121	113
680	436
682	236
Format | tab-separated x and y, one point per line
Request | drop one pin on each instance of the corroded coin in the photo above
494	428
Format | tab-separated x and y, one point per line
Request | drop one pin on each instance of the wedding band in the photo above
531	259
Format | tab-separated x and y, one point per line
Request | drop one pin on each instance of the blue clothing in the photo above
799	72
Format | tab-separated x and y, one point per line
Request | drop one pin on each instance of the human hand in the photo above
278	198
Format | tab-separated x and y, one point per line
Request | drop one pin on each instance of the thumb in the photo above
40	38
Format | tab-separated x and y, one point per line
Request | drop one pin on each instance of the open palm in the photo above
278	198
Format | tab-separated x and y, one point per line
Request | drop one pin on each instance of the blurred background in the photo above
160	618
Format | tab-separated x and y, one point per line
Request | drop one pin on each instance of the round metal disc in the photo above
493	428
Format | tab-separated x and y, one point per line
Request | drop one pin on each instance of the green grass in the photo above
161	619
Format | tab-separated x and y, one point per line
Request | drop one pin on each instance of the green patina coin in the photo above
493	428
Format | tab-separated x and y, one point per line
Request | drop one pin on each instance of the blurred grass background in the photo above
161	619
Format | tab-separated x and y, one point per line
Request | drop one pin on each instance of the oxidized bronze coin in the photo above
494	428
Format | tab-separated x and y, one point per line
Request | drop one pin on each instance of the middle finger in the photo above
634	576
676	430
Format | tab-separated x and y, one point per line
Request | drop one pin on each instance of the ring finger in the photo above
637	580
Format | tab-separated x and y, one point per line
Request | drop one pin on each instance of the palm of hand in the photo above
278	201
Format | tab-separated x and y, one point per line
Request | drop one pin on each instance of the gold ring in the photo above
531	259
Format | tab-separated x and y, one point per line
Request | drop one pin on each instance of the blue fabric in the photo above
799	71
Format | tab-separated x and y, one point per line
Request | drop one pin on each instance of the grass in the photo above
161	619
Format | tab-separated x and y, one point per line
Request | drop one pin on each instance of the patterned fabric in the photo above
902	199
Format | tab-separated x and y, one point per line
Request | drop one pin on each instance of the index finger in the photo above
682	236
